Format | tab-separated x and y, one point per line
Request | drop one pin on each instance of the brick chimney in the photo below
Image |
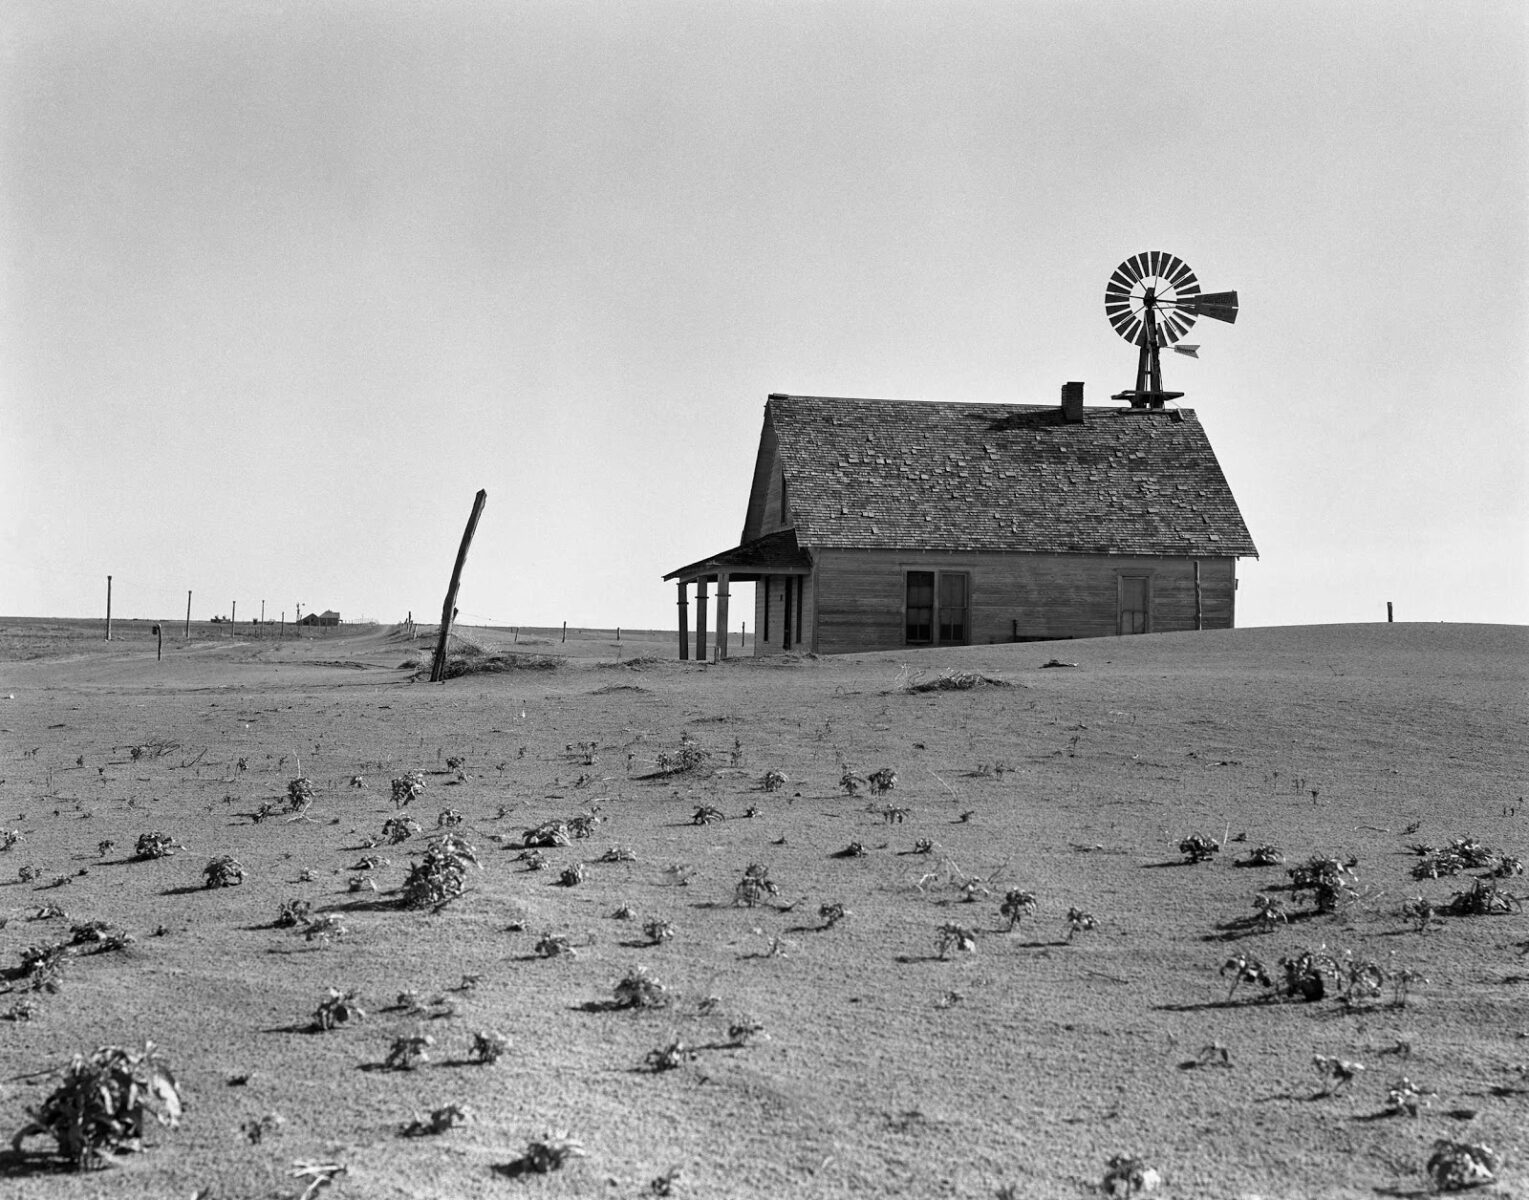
1072	403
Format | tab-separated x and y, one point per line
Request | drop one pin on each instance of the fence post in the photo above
449	610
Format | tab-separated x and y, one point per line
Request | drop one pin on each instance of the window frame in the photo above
936	577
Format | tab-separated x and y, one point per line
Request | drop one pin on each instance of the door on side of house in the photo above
1135	600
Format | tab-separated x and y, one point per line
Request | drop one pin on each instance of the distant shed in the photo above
327	617
878	524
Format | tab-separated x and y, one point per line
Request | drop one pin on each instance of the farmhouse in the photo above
879	524
327	617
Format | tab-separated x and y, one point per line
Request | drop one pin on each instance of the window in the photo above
938	608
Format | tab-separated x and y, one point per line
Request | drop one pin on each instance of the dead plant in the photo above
1335	1073
1017	905
1331	881
548	833
1197	848
1269	911
1245	968
754	886
1456	1166
1405	1098
1079	921
1483	898
408	787
951	936
399	829
831	914
441	1120
1126	1176
675	1053
337	1008
441	875
658	931
408	1052
488	1047
155	845
102	1104
706	814
223	871
638	989
555	945
551	1153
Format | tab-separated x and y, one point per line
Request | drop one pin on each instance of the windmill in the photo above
1152	300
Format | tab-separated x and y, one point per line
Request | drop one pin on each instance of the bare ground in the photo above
882	1069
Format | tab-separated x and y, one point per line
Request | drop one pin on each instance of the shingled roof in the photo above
898	474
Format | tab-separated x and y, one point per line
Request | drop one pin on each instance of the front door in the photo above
1134	594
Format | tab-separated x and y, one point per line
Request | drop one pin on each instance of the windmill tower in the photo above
1152	300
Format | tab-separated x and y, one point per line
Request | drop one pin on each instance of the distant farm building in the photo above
880	524
327	617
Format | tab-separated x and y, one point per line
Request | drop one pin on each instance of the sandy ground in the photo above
880	1068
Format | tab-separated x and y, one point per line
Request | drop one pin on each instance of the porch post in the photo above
722	615
684	607
700	619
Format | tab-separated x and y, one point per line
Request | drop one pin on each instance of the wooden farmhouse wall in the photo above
770	608
859	596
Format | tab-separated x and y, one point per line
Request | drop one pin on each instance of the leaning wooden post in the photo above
1199	611
700	619
722	597
188	617
108	608
684	607
448	610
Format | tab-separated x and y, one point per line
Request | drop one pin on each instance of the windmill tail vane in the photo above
1152	300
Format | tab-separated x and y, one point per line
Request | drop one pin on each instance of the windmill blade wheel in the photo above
1159	286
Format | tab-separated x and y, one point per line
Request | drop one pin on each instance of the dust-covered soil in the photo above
822	1055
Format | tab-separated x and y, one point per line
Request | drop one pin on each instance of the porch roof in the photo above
774	554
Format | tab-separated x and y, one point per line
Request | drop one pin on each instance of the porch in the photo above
759	561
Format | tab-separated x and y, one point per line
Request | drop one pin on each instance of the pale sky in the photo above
285	283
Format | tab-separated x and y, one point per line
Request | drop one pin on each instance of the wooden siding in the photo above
776	586
861	595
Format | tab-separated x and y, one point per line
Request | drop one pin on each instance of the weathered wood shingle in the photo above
897	474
